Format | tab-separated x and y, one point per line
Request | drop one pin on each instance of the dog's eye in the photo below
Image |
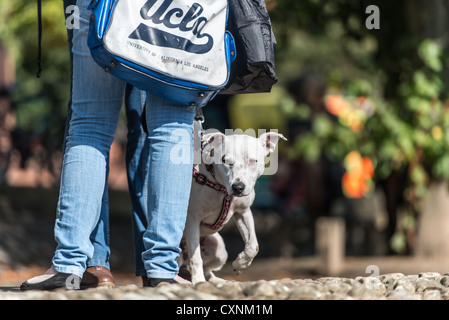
252	162
226	161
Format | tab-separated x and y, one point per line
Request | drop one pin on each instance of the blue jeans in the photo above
137	161
96	102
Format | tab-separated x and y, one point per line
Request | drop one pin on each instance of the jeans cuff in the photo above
98	262
72	270
161	275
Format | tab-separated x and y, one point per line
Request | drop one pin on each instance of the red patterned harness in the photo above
203	180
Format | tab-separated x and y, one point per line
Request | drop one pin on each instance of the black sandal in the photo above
59	280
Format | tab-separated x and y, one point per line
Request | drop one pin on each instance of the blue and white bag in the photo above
176	49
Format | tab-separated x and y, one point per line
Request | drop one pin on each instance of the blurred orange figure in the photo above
357	181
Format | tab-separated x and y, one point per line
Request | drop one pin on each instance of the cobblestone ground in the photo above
393	286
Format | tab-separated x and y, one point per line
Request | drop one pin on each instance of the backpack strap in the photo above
39	21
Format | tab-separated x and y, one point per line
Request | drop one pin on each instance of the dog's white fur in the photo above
238	161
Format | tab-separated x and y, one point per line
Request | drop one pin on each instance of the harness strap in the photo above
223	214
203	180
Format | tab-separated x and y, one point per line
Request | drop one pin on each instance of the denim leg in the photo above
170	129
100	235
137	149
96	102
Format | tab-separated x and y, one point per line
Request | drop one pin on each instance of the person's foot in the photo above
154	282
51	280
97	276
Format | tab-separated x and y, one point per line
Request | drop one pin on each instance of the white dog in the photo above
223	187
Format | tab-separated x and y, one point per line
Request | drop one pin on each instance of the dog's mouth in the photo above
239	194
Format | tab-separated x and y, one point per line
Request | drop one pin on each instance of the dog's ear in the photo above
269	141
211	145
213	139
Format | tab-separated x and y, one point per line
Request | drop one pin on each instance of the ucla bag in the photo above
176	49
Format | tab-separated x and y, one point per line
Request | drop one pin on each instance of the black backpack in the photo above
253	70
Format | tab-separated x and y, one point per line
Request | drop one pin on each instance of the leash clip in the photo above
199	115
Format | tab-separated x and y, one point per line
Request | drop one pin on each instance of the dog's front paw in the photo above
215	280
196	280
242	262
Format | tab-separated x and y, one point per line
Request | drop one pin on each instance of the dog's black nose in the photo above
238	188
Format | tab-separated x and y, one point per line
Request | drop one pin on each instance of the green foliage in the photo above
414	128
401	68
430	52
40	104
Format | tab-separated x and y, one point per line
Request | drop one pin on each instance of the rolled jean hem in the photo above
71	270
161	275
98	263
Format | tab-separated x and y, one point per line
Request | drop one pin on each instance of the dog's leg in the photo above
192	237
245	224
214	254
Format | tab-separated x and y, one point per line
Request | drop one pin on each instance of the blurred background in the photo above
365	111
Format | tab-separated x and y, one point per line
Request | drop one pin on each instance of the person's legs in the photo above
170	128
97	99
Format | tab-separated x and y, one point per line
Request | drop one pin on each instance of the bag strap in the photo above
39	21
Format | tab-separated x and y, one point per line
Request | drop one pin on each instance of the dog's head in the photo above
238	160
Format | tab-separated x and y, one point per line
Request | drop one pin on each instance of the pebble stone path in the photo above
393	286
